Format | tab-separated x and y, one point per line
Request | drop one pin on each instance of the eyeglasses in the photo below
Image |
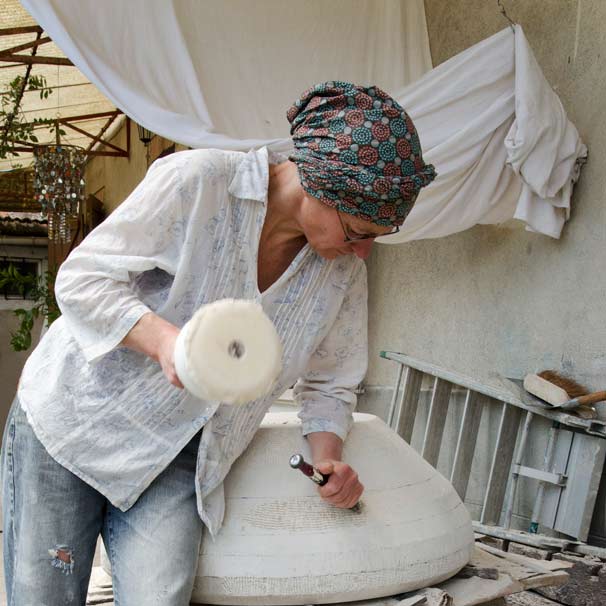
353	237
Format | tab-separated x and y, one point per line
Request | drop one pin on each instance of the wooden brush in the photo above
563	392
570	386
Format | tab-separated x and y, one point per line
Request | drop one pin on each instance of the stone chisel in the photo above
298	462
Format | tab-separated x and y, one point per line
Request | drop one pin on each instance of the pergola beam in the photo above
118	154
28	29
10	55
112	115
33	43
100	134
113	112
91	136
34	60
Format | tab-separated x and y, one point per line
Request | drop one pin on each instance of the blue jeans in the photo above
52	520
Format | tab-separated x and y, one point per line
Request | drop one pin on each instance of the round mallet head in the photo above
229	351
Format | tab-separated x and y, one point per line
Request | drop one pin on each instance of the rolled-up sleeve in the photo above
326	391
93	286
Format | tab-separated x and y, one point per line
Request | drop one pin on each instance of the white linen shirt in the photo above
186	236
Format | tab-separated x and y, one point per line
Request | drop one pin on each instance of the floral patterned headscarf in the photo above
357	150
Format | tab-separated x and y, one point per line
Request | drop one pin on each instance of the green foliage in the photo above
41	291
15	129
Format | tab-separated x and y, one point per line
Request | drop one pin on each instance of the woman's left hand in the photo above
343	488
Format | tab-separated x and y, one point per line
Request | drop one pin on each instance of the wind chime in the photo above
59	181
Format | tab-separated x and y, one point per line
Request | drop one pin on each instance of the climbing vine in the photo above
16	129
38	289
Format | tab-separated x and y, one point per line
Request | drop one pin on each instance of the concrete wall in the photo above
499	299
11	362
111	180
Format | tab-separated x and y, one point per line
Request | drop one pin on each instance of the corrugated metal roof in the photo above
73	94
23	224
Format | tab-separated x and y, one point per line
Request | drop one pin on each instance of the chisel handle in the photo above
298	462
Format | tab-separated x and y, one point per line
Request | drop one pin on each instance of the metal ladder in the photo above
572	464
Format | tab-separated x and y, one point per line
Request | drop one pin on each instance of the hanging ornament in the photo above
59	186
59	181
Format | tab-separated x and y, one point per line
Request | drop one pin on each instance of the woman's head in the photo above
332	233
293	212
358	151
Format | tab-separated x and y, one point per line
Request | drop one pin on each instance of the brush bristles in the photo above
572	388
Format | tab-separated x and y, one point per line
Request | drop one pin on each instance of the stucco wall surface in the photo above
498	299
11	362
113	179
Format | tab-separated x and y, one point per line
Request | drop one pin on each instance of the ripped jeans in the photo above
52	520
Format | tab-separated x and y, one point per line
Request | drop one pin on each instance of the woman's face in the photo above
326	233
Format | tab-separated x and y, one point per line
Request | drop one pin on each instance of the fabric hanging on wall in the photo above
499	138
223	74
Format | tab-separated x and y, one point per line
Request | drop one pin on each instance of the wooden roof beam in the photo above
29	29
94	137
33	43
100	134
114	113
116	154
34	60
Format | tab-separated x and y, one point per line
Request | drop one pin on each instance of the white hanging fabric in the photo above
222	74
499	138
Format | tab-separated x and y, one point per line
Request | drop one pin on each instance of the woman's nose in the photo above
362	249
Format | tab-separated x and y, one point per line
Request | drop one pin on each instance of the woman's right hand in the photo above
166	356
156	337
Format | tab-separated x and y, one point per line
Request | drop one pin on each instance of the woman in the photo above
102	439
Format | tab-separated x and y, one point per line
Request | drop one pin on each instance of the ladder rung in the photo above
538	474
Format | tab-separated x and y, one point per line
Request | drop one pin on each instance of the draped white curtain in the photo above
222	74
499	138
